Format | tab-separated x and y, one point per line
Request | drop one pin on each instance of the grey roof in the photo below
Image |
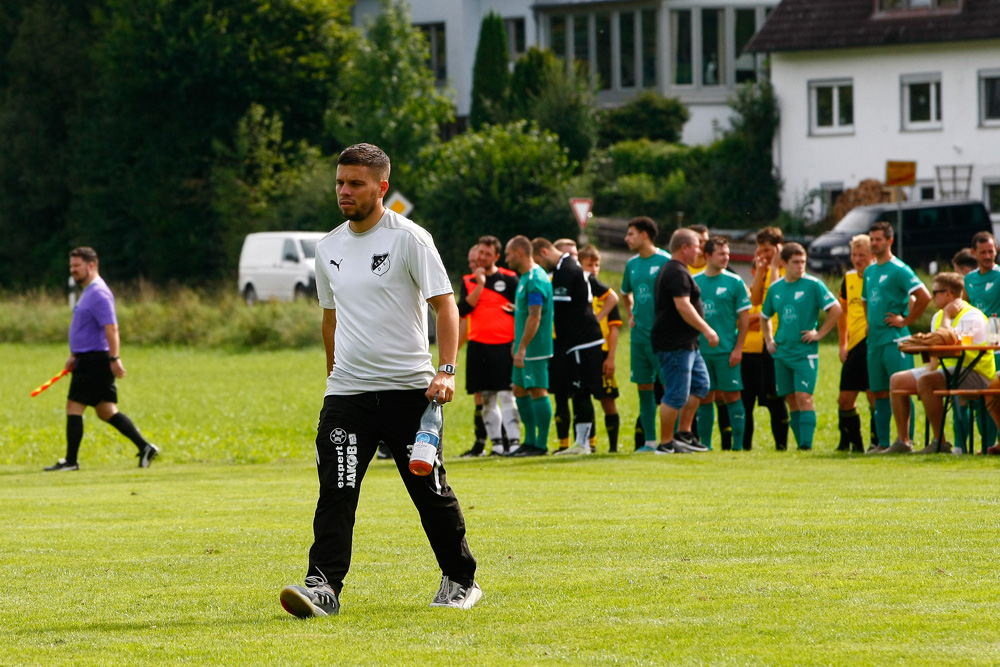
809	25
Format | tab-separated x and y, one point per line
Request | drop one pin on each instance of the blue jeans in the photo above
683	373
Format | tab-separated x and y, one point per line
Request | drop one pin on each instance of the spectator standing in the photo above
797	300
608	316
727	312
638	298
95	362
532	347
486	303
852	332
894	298
679	319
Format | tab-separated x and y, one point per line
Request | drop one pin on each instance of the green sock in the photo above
807	428
543	419
647	414
706	423
793	422
738	420
527	418
883	421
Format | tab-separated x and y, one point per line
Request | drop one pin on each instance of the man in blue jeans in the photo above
678	321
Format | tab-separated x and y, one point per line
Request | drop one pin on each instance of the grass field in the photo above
723	558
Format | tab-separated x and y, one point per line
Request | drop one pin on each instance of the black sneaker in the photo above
316	598
147	455
478	449
685	442
666	448
529	450
453	594
383	452
63	464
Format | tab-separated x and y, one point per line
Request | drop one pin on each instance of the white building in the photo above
689	49
861	82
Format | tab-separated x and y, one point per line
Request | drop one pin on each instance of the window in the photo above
603	27
831	191
557	35
626	49
713	47
515	37
648	47
746	63
989	98
680	33
921	96
991	196
438	62
889	6
831	105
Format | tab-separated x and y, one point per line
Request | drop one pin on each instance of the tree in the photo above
502	180
566	106
648	115
528	80
401	112
490	76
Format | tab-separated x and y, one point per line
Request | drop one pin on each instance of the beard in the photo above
362	209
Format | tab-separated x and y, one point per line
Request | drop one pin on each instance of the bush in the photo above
649	115
503	180
490	76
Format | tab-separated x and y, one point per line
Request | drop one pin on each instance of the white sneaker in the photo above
453	594
575	449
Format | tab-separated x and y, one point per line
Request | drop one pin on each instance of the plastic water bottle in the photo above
425	445
993	329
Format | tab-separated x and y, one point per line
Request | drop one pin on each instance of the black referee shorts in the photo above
580	371
488	367
854	372
92	381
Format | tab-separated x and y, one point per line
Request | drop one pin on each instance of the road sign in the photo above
899	174
581	209
400	204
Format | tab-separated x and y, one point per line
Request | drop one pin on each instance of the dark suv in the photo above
932	231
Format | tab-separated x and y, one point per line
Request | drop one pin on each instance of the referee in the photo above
94	362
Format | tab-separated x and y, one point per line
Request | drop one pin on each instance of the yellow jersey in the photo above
850	294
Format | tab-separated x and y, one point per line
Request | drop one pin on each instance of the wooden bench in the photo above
970	394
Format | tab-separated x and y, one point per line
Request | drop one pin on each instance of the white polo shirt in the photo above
379	282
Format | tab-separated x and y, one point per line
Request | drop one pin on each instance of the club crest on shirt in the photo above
380	264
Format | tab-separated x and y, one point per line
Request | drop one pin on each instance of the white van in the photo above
278	265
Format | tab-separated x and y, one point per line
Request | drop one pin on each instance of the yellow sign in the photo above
398	203
900	173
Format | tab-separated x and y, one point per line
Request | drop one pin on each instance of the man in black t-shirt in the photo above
678	320
577	360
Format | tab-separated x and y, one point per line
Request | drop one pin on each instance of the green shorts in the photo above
645	363
792	375
721	375
883	361
534	374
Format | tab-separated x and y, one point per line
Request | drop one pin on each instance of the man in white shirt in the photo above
374	275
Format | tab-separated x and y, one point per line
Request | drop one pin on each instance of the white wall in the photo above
807	161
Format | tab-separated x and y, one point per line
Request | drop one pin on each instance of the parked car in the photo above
278	265
933	231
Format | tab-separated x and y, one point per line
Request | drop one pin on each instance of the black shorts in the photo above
488	367
92	381
854	372
577	372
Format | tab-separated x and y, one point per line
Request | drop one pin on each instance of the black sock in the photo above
561	415
480	425
779	422
725	428
845	436
74	434
640	435
871	428
128	429
852	427
611	423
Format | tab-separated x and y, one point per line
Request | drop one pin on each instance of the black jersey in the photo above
573	310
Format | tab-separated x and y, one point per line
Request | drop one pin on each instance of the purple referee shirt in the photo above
94	310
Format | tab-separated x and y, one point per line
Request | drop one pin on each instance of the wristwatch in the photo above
447	368
112	359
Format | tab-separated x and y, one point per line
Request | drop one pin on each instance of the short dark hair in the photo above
589	253
522	243
645	225
540	243
698	229
885	227
951	281
792	249
982	237
491	241
771	235
86	253
367	155
713	243
965	259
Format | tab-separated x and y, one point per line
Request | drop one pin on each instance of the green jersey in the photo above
724	297
797	306
887	289
639	281
984	290
534	289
